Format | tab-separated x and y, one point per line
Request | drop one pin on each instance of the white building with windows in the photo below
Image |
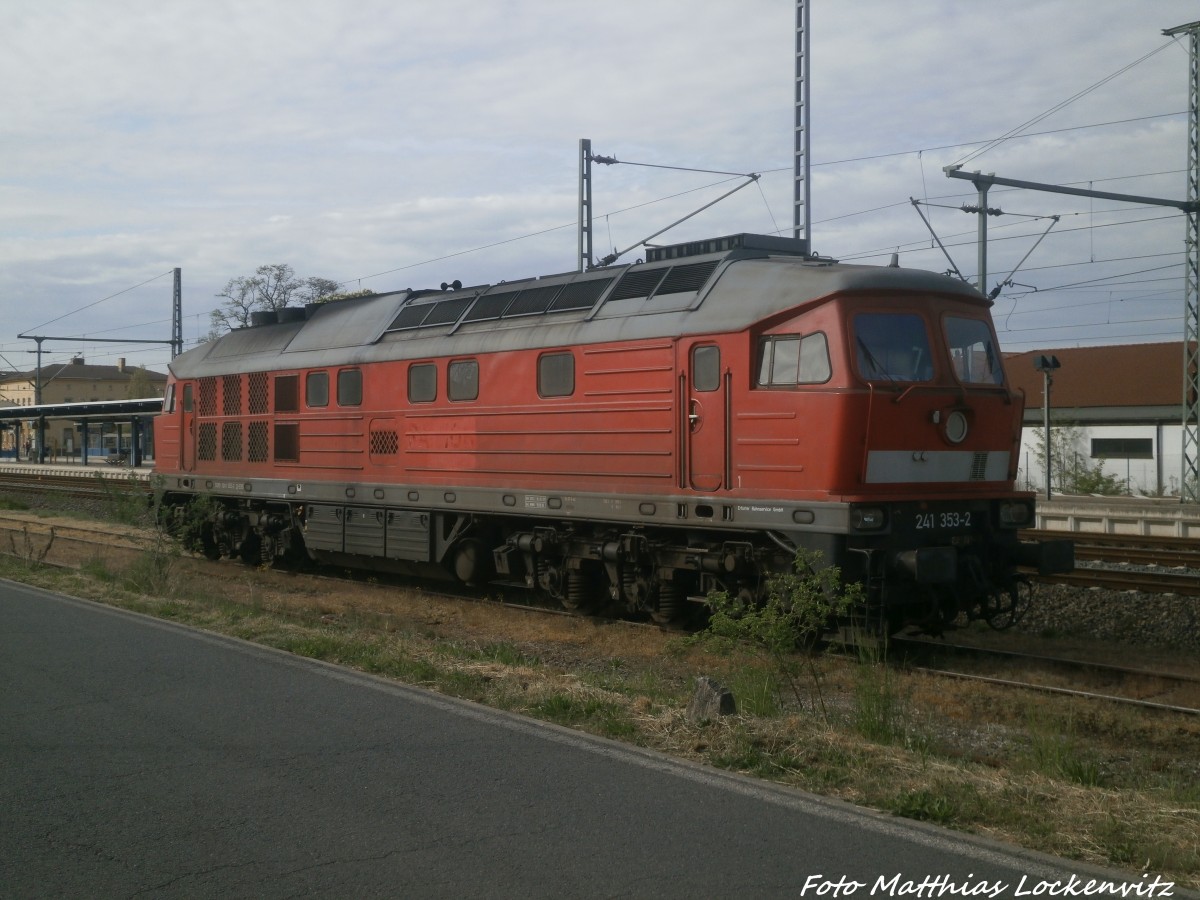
1118	406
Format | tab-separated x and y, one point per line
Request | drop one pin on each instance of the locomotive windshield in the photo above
892	347
974	354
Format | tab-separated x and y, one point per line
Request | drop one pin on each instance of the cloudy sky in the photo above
387	144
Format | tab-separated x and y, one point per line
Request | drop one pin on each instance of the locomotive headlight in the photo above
1015	515
956	427
867	518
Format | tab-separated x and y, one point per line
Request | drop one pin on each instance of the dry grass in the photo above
1086	781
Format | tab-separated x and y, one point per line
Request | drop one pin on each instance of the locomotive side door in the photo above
187	430
705	418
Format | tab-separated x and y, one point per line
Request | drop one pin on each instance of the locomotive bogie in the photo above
625	439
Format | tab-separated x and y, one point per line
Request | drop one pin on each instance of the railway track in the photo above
1130	549
1182	583
1130	563
1174	692
84	532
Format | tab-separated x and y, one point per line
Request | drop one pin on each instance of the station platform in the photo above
95	467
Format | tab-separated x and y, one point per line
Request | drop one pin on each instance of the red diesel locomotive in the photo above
628	437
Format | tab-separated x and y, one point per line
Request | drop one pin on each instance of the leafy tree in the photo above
139	385
346	295
1094	480
271	287
317	290
1064	448
1070	467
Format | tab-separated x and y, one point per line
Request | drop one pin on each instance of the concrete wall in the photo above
1131	517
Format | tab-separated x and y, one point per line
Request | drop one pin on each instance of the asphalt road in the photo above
143	759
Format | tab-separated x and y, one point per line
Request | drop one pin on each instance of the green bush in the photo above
787	623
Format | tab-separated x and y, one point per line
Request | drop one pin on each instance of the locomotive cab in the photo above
933	517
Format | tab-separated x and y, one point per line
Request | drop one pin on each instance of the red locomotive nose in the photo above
935	411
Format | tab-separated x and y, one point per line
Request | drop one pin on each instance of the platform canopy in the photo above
96	409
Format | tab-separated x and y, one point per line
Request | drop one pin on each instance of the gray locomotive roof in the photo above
719	292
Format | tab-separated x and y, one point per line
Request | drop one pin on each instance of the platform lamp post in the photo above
1046	365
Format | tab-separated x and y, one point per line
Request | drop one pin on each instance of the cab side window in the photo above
787	360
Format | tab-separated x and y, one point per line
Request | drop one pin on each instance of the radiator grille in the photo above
206	443
231	441
979	466
231	395
257	444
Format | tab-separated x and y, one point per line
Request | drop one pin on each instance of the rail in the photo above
1156	688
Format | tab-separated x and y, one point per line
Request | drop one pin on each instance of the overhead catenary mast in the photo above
584	257
586	158
1189	488
801	210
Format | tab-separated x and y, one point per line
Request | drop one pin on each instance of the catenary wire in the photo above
986	145
101	300
1063	105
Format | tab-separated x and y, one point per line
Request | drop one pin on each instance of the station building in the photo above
75	382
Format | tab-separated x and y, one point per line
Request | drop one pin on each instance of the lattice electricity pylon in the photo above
1189	490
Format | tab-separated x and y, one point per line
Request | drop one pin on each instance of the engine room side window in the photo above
316	389
187	398
287	393
422	383
892	347
975	356
789	359
462	380
706	367
556	375
349	387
